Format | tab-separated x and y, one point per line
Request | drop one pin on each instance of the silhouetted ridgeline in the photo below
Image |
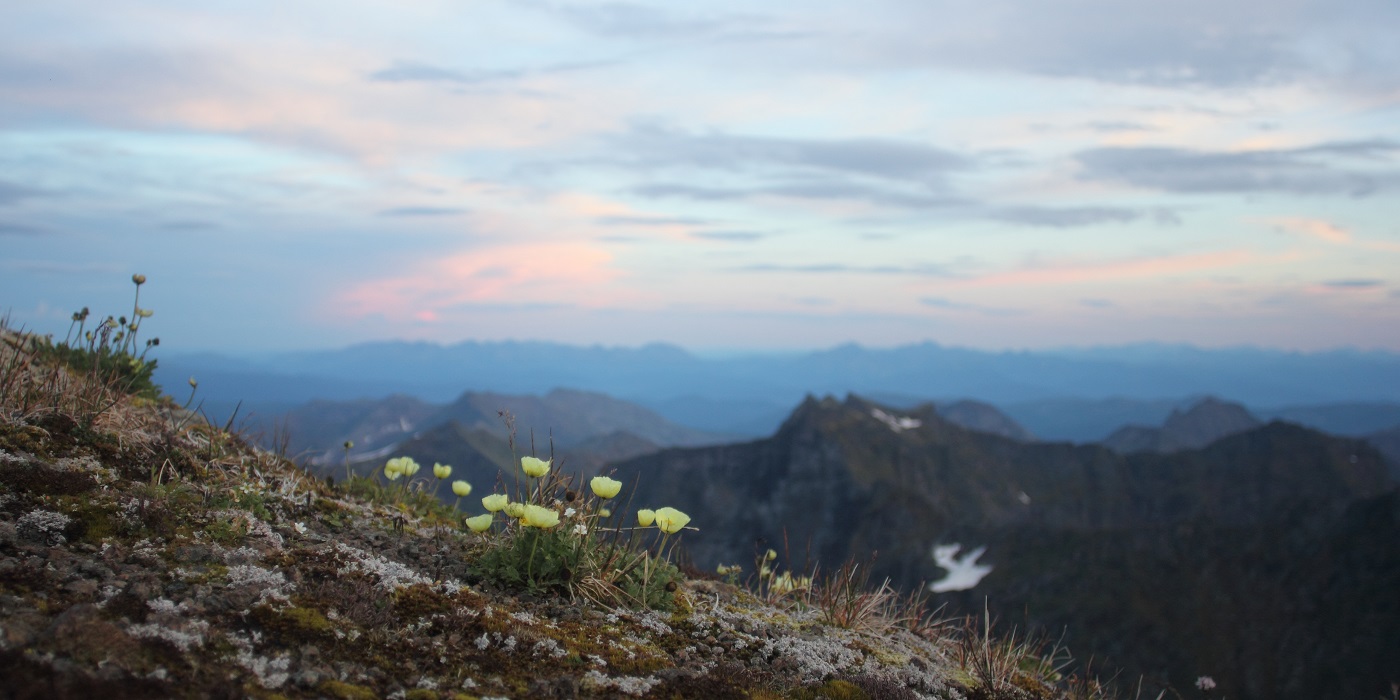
1265	560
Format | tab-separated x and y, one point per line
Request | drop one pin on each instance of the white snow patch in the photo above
963	572
898	424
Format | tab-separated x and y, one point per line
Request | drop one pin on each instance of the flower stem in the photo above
530	568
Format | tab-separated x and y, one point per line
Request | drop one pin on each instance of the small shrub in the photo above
562	539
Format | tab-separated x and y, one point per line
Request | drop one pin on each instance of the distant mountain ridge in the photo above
1227	542
1210	419
662	372
569	418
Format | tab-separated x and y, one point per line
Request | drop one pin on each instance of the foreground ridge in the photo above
144	552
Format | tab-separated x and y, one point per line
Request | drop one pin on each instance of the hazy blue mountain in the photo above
982	417
1204	422
600	425
1090	420
740	417
660	373
1352	419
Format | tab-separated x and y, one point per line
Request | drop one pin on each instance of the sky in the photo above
765	175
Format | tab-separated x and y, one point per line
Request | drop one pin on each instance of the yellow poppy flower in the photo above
605	487
535	467
646	517
461	488
540	517
671	520
480	523
442	471
495	502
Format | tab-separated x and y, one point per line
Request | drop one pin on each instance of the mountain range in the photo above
1264	559
749	395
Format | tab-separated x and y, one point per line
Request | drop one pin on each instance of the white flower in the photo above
580	529
300	528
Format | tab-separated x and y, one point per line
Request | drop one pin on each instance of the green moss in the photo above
831	690
420	694
293	623
346	691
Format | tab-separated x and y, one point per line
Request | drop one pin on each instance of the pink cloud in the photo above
540	273
1317	229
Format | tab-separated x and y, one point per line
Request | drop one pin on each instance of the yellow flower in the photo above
461	488
515	510
495	502
770	556
671	520
605	512
535	467
646	517
540	517
605	487
400	466
393	469
480	523
442	471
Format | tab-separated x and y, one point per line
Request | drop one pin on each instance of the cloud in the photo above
733	236
308	97
1184	43
879	158
1067	217
1354	284
411	72
13	229
541	273
417	72
820	191
841	268
950	305
190	225
1134	269
1097	303
650	221
1114	127
881	172
1313	170
11	193
635	21
58	268
1317	229
421	211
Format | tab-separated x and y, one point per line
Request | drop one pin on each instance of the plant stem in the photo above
530	568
